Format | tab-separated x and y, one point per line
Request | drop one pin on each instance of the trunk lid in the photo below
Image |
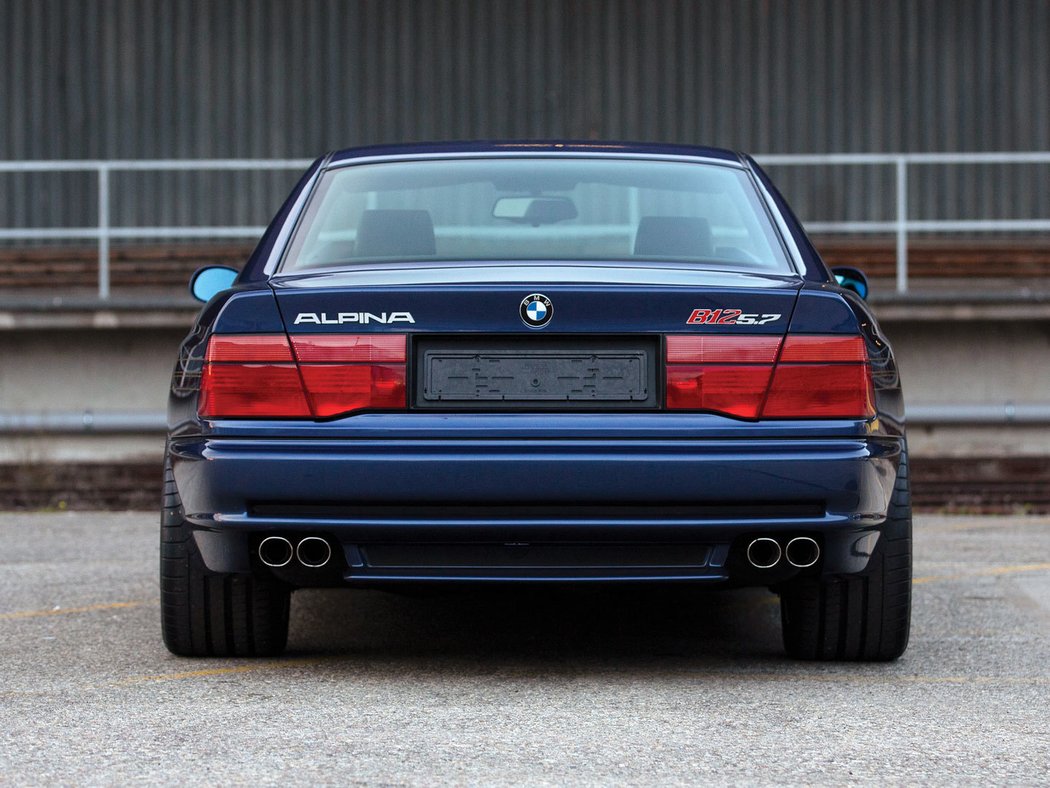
487	299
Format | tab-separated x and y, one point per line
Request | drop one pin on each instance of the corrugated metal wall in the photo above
279	78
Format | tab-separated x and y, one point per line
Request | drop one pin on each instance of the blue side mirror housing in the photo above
212	279
852	279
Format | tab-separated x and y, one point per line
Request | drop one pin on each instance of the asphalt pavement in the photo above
533	686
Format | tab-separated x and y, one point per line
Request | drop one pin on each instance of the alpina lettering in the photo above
361	318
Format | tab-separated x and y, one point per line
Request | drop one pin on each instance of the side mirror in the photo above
852	279
210	280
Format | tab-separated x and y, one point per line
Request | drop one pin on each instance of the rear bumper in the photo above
440	503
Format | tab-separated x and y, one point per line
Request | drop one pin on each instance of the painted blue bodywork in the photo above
512	480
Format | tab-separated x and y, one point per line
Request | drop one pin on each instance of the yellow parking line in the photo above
64	611
990	571
206	672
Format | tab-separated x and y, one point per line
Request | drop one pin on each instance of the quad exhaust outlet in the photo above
312	551
275	551
800	552
764	553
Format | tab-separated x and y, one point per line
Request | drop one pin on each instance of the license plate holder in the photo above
532	375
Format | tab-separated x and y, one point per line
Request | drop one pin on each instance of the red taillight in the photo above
820	391
248	347
252	390
825	376
341	388
822	377
735	391
720	373
256	375
722	349
352	348
818	349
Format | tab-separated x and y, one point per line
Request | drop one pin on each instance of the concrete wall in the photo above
73	369
974	362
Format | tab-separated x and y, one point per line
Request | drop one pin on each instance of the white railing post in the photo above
103	232
902	225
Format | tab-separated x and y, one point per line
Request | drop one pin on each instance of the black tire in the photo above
205	614
864	617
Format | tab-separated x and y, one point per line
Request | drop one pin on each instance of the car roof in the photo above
544	147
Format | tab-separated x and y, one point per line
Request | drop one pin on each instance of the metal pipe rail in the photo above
80	421
124	422
900	227
103	232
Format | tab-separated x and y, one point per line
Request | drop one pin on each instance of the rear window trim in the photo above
775	222
453	155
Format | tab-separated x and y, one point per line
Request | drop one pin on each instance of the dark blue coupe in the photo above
536	363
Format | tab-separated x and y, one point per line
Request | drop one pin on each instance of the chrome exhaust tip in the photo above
764	553
275	551
802	552
314	552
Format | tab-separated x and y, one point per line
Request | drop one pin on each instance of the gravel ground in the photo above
534	686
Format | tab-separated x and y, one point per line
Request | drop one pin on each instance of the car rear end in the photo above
594	420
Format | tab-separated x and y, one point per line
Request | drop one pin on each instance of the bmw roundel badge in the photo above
536	310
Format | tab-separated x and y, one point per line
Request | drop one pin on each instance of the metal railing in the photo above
900	227
104	232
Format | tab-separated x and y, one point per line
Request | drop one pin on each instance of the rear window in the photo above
536	209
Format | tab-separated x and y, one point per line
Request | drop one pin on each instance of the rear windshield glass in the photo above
537	209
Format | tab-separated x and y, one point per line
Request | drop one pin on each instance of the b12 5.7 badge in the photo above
729	317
